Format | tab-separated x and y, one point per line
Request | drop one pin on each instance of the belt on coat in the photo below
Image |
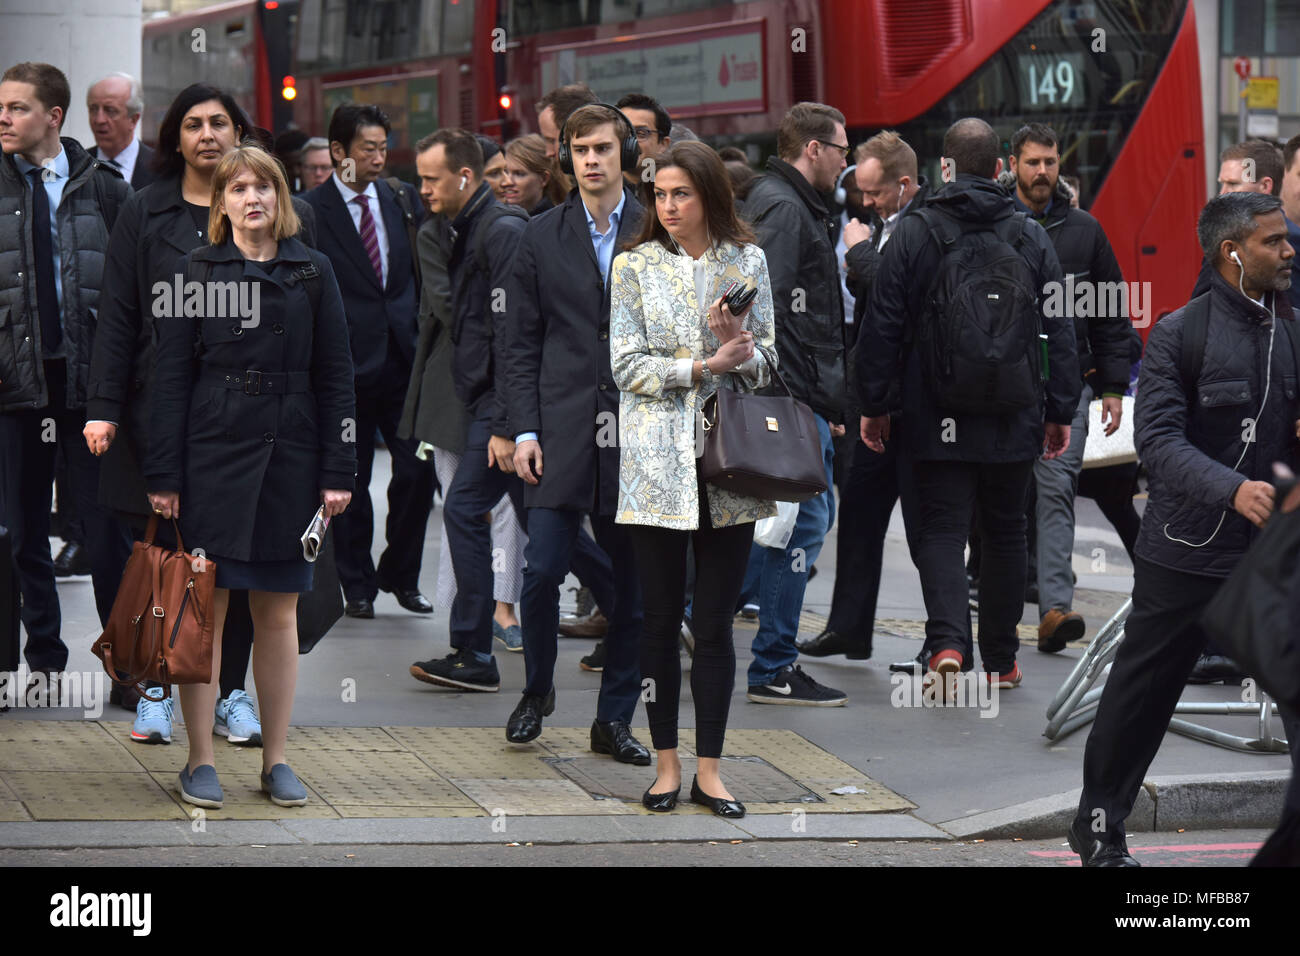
250	381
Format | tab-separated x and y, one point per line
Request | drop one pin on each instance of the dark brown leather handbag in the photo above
763	446
160	628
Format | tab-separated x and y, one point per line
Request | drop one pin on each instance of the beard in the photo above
1037	187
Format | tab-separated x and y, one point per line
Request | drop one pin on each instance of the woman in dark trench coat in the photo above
156	227
248	439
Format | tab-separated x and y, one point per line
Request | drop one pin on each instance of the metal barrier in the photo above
1075	703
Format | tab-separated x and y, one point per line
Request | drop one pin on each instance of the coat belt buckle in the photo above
252	382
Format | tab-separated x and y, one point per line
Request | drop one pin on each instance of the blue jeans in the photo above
777	579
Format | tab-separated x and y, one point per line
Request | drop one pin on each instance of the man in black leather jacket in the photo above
1216	407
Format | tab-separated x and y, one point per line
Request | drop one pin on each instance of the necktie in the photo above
368	237
47	299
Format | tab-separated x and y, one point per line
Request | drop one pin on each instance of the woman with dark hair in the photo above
532	180
250	466
494	165
157	226
672	341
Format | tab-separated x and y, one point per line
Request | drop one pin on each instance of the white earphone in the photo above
463	181
1235	258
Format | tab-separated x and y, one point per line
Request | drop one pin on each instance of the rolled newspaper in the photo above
314	536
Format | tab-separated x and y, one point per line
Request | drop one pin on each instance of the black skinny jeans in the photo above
721	555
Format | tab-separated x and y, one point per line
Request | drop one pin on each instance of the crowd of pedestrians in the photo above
535	330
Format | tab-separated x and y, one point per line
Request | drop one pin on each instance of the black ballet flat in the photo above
721	807
660	802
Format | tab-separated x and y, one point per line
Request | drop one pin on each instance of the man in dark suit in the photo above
360	227
114	105
561	397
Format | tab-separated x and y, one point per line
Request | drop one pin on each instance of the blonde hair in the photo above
530	152
265	167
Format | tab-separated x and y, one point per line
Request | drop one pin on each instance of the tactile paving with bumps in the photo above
91	770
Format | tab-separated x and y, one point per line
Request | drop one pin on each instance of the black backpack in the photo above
978	338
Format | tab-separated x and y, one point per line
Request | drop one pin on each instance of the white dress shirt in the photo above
125	160
354	210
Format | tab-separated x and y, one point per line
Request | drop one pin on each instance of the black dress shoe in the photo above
411	598
525	721
615	738
916	666
124	697
72	560
1212	668
362	609
1099	849
660	802
830	642
720	806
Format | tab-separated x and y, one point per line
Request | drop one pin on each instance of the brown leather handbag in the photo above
160	627
763	446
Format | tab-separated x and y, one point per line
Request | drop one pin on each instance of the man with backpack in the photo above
485	233
956	313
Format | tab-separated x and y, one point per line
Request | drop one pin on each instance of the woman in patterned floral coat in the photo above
672	344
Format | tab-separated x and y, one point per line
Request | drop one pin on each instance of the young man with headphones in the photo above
1216	407
563	407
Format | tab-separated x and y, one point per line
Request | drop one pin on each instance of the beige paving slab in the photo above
359	778
61	745
91	795
474	752
536	798
342	738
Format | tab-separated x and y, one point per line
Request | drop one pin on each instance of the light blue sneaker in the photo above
153	718
511	637
283	787
202	787
236	720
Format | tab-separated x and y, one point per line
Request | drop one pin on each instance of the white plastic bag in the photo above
775	532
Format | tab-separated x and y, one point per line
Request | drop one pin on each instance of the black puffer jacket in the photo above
795	230
1086	256
898	302
85	218
1191	446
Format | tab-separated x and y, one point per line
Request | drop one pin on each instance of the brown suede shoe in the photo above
1057	629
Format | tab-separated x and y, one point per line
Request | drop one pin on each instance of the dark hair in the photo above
1289	151
711	181
460	149
730	154
489	146
51	85
168	162
563	100
1231	216
1039	133
803	123
742	177
348	119
973	147
1267	158
639	101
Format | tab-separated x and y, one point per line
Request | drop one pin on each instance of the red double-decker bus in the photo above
1119	82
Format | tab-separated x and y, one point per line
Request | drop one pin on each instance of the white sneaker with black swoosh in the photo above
793	686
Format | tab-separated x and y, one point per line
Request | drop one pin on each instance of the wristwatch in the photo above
706	374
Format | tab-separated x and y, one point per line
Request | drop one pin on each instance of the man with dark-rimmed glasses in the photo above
651	124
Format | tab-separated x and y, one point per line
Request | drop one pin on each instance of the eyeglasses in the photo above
643	133
844	150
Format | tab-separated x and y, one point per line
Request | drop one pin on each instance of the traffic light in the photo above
287	89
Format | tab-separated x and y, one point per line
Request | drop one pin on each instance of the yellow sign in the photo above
1261	93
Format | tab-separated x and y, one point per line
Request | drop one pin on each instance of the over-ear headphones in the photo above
629	152
842	194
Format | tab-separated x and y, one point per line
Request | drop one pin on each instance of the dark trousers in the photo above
29	441
949	494
870	487
467	518
1112	488
1162	639
410	496
552	546
720	559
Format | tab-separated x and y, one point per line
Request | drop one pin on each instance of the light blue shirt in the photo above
54	182
603	243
